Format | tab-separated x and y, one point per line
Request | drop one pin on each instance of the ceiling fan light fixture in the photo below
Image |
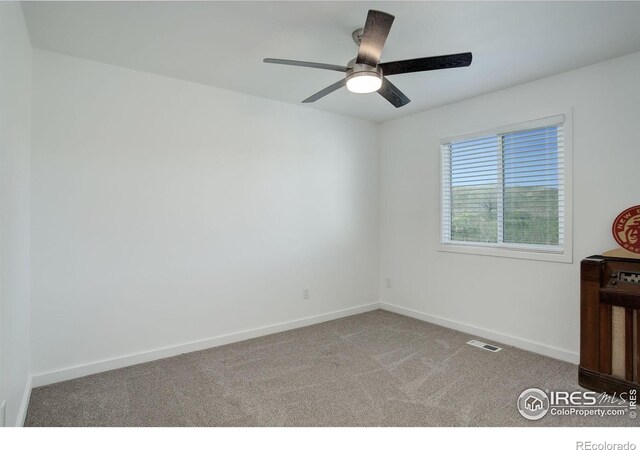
365	73
364	82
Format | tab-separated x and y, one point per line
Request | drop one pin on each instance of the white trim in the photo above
24	404
512	127
506	252
81	370
138	358
536	347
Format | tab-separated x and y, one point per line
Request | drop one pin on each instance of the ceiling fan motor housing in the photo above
355	69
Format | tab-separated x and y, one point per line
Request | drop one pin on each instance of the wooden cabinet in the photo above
609	319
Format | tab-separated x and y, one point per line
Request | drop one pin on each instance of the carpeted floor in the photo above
372	369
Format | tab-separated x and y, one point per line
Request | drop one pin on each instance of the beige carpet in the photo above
372	369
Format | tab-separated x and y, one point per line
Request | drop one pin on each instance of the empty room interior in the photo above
319	214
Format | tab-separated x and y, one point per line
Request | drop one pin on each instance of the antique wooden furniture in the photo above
609	319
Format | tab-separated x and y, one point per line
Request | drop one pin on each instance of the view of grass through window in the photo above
506	188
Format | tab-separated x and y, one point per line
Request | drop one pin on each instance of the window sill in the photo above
506	252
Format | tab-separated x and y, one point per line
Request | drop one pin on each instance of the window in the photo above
505	193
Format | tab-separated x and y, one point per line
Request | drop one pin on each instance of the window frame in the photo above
508	250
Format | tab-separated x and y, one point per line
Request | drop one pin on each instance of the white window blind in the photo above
506	189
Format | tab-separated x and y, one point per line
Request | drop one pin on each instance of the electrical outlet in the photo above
388	282
306	294
3	407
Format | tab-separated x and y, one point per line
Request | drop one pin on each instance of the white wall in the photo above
532	304
165	212
15	110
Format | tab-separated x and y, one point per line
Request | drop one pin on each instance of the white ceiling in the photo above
222	44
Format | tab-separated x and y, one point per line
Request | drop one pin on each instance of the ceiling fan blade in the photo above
424	64
314	65
376	30
393	94
326	91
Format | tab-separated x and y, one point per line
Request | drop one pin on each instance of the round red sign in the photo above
626	229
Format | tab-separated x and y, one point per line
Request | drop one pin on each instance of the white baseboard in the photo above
69	373
543	349
82	370
24	404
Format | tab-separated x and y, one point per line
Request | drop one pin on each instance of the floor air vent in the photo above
484	346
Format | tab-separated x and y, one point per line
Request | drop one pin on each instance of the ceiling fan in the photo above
366	73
